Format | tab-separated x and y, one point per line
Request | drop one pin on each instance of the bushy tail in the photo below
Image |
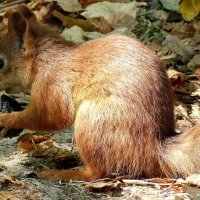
181	154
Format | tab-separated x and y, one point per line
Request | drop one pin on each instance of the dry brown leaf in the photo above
43	146
183	30
176	78
35	137
7	180
102	25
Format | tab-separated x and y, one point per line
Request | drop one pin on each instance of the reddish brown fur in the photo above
116	92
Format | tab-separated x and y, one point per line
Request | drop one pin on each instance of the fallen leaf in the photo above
69	6
176	78
171	5
183	30
43	146
195	61
78	36
74	34
7	180
43	11
116	14
178	46
189	9
160	15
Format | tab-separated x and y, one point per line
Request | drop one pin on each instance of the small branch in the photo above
3	7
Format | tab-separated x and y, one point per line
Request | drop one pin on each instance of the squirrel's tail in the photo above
181	154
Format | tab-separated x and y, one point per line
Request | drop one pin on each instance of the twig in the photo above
3	7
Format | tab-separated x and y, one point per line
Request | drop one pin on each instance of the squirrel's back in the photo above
118	94
125	104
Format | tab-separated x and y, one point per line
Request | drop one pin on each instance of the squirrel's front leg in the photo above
42	113
16	120
41	118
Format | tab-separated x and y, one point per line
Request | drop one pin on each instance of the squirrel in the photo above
114	90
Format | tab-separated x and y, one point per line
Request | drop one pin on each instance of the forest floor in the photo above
18	180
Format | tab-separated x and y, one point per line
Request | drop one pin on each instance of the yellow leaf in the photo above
189	9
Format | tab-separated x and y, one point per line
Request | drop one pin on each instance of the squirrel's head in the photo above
17	49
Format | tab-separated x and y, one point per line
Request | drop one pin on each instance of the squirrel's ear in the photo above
20	32
16	25
26	12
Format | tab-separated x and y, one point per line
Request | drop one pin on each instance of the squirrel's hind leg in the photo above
66	175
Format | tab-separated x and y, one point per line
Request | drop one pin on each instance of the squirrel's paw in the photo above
3	132
4	122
